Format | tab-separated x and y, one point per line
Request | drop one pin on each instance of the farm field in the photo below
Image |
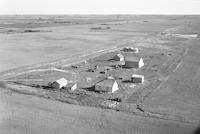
36	50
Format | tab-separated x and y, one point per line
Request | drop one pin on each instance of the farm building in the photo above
60	83
118	57
137	78
108	85
72	86
130	49
96	67
134	62
110	77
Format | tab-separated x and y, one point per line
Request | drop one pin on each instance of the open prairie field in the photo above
37	50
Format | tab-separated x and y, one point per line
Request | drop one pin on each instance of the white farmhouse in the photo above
60	83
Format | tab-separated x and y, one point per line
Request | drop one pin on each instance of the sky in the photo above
99	7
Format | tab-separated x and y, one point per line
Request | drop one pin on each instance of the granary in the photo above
118	57
107	85
130	49
72	86
133	62
137	78
60	83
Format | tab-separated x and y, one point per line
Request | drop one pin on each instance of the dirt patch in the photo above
86	74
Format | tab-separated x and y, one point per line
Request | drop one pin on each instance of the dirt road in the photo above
179	95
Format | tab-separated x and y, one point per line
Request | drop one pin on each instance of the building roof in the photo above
71	85
110	77
119	55
61	81
106	82
138	76
132	58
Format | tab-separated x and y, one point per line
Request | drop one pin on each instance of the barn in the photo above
60	83
133	62
137	78
107	85
118	57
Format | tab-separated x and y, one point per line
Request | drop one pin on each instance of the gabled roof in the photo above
138	76
106	82
71	85
132	58
61	81
119	55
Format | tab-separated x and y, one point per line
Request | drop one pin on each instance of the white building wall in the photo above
115	87
141	63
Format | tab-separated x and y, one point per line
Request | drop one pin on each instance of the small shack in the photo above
118	57
137	78
134	62
60	83
72	86
107	85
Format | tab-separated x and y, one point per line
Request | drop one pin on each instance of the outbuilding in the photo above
133	62
130	49
72	86
118	57
137	78
60	83
107	85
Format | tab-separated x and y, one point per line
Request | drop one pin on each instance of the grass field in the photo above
35	50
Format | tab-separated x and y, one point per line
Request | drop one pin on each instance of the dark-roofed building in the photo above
107	85
133	62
